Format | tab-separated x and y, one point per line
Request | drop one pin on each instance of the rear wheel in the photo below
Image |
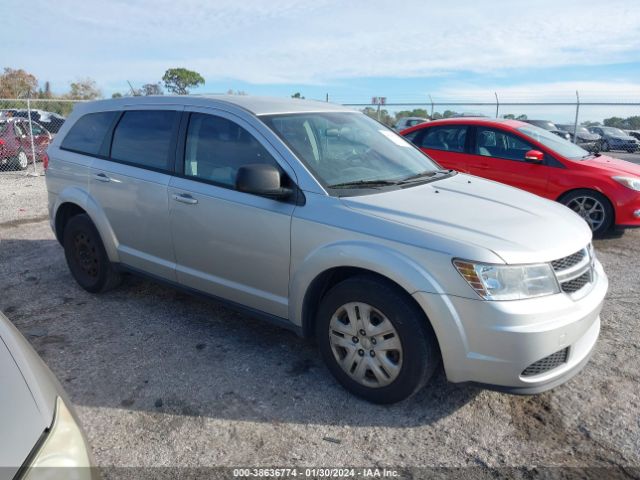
375	340
21	161
593	207
86	256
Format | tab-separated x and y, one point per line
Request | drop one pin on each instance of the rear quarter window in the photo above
87	134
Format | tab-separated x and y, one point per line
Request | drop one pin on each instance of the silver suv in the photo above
324	221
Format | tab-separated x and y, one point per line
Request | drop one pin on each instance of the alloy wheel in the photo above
365	344
23	160
590	209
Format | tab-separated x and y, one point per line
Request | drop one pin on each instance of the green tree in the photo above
84	89
297	95
116	95
152	89
180	80
416	112
17	84
589	123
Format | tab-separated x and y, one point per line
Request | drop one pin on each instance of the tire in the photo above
594	207
86	256
21	161
405	369
605	147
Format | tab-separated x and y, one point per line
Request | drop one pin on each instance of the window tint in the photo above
450	138
143	138
216	148
87	134
496	143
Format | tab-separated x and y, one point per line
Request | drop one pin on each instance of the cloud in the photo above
300	42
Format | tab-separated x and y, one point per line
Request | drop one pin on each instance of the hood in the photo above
517	226
588	136
27	397
22	423
614	165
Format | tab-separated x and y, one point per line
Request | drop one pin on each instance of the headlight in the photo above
64	446
508	282
630	182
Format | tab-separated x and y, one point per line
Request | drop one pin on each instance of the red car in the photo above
15	143
603	190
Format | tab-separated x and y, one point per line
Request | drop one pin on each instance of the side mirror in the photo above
261	179
534	156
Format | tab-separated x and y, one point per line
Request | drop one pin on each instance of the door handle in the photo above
102	177
184	198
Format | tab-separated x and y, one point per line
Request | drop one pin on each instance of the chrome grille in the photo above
547	363
574	271
568	262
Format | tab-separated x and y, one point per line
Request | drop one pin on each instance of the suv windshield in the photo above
554	142
344	149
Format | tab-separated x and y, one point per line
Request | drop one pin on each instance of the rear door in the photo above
130	185
447	145
228	243
501	157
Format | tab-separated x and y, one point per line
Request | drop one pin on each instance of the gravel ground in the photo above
160	378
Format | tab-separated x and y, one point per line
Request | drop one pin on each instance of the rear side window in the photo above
87	134
450	138
143	138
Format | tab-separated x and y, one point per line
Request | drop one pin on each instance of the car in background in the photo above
49	120
603	190
550	126
406	122
15	142
40	433
584	138
633	133
615	139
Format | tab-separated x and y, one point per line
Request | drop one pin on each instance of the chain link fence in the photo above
27	127
577	120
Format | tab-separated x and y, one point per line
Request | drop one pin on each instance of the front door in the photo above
229	244
501	156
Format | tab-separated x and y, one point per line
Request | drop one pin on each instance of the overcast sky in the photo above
352	50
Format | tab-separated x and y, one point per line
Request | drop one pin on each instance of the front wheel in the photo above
593	207
375	340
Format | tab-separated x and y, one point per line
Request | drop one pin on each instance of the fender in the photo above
386	262
80	197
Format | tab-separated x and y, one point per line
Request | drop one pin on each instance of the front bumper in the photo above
492	343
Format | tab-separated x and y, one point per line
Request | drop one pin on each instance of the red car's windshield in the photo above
554	142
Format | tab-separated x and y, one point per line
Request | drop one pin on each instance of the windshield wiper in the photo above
426	174
364	184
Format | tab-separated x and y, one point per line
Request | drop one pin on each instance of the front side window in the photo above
87	134
497	143
342	148
450	138
216	148
143	138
